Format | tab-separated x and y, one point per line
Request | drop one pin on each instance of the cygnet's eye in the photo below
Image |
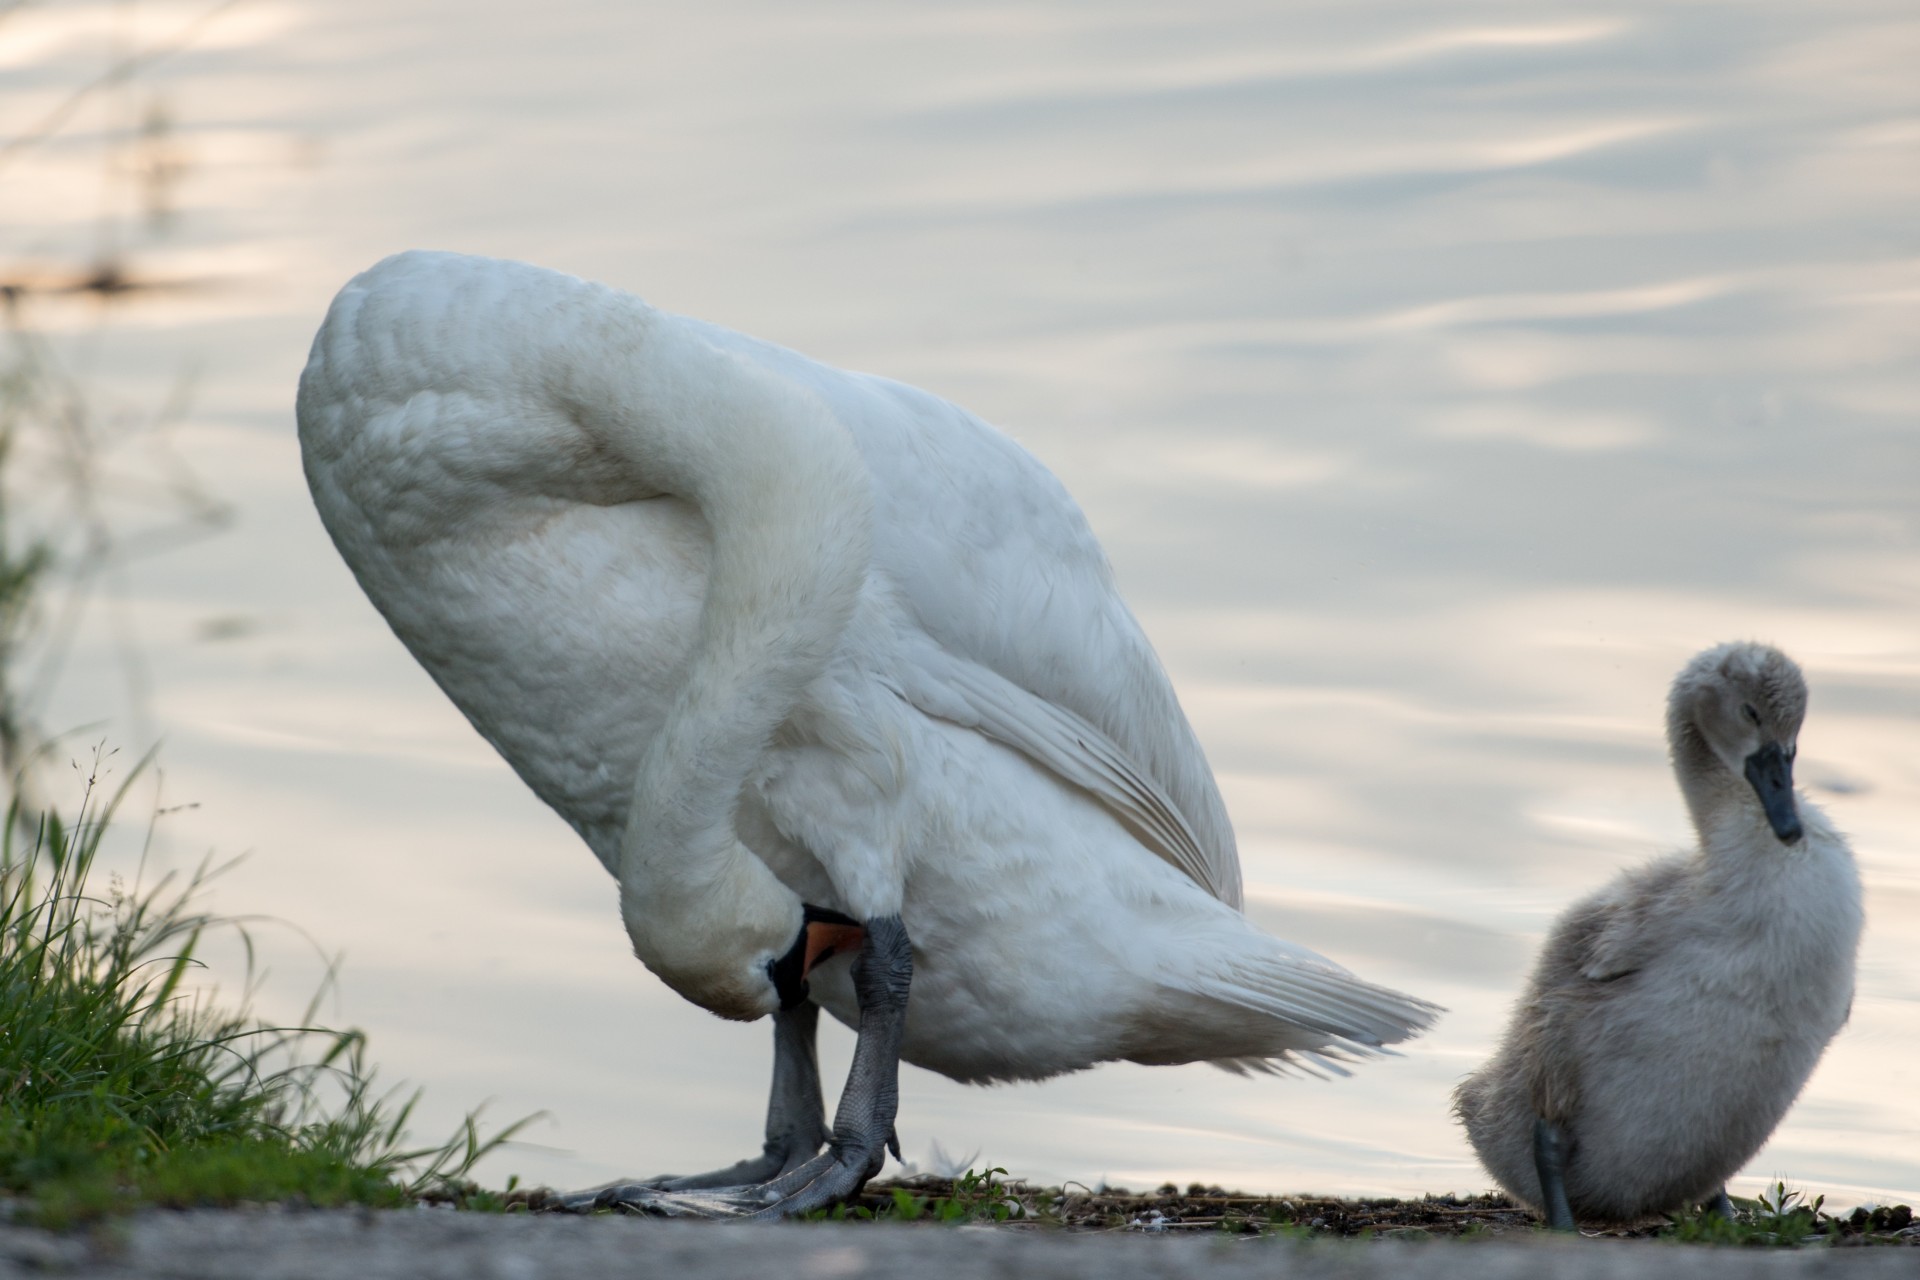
1751	714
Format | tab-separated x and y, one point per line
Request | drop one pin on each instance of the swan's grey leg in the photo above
796	1121
862	1127
796	1117
1721	1205
1550	1161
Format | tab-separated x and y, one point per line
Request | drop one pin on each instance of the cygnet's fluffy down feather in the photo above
1675	1014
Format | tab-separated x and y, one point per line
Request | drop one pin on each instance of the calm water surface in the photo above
1439	378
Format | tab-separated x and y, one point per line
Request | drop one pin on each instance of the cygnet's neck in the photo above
1726	813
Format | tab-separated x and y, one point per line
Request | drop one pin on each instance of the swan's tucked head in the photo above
717	934
1744	703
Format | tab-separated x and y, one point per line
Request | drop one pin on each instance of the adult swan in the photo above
829	674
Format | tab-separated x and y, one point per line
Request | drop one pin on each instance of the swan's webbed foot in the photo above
1550	1162
822	1182
796	1124
862	1128
1721	1206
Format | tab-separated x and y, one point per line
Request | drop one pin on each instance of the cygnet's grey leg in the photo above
862	1127
1550	1162
796	1122
1721	1205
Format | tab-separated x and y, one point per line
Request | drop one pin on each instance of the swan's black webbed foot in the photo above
1721	1206
796	1123
862	1127
1550	1162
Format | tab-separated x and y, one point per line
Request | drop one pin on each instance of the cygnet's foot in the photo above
1550	1158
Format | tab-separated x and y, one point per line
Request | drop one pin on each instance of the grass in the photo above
1783	1216
121	1084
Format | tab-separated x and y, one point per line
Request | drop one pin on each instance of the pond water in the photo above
1439	378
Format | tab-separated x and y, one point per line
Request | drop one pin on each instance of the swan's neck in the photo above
786	500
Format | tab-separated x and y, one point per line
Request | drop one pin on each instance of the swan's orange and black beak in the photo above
823	933
827	938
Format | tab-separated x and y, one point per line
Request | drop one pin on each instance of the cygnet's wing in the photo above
1614	931
1612	954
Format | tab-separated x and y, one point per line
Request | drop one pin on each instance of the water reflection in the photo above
1438	384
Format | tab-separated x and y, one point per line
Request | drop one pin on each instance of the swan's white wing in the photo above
1031	643
969	695
996	565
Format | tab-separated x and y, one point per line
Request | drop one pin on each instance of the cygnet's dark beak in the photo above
1771	774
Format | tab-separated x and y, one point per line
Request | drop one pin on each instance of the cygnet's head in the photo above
1745	701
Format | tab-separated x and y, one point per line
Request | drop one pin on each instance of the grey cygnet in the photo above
1675	1014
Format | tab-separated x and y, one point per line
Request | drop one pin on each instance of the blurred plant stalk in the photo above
74	509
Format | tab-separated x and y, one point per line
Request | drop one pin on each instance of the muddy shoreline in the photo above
1199	1209
430	1244
926	1226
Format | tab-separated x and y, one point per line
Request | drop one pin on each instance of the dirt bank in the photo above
427	1244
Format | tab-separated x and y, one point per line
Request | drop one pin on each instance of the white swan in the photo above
814	662
1674	1015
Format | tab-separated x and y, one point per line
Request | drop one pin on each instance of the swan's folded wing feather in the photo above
996	566
991	561
968	694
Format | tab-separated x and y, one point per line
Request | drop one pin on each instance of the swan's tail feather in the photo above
1318	1016
1300	1062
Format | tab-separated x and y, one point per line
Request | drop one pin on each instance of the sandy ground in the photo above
429	1244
